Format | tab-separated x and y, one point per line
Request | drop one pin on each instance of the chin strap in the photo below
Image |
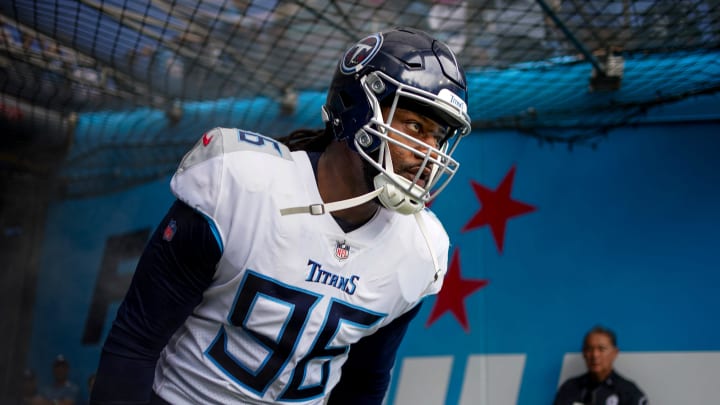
320	209
423	231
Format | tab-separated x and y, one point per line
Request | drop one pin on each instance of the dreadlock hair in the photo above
309	140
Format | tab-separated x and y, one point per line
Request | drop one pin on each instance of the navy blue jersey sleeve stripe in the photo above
366	373
176	267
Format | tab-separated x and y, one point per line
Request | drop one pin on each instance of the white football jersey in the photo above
290	293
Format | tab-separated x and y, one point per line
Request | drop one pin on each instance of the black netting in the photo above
123	87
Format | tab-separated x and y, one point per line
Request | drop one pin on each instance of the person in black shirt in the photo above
601	385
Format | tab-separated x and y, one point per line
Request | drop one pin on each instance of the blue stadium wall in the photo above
547	242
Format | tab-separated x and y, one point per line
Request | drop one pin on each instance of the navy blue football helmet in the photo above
399	68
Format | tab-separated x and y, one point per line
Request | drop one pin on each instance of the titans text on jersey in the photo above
318	275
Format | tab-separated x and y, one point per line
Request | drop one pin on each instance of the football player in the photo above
288	270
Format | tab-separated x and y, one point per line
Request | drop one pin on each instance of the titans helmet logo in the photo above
361	54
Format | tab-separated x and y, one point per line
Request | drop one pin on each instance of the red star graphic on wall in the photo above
452	295
497	208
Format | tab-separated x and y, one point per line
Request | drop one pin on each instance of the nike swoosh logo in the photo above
206	139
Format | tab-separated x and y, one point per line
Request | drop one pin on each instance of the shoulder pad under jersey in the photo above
220	141
198	179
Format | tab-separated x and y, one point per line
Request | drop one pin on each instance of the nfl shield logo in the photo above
169	231
342	250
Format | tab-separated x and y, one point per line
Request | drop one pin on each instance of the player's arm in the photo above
366	373
175	269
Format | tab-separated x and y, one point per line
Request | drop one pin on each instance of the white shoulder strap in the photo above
320	209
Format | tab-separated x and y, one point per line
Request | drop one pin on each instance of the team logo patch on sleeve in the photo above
361	54
342	250
170	229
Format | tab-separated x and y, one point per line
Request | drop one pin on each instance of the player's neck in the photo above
340	177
